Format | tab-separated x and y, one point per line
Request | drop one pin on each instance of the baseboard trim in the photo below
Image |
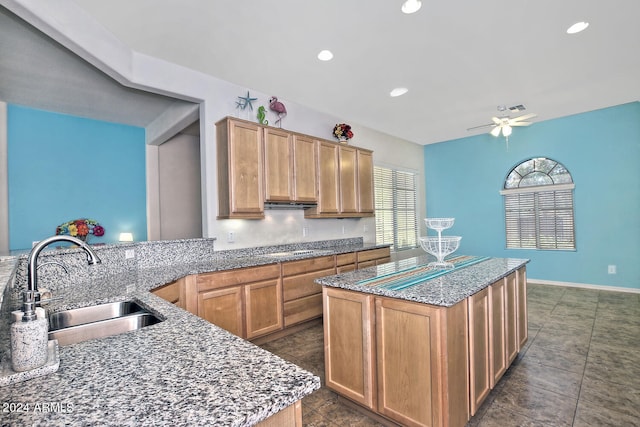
583	285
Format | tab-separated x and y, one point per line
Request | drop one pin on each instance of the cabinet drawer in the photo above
239	276
302	309
303	284
306	265
373	254
344	259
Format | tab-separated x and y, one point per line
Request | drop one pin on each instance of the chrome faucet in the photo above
32	295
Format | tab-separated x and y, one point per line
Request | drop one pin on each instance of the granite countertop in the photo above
446	290
180	372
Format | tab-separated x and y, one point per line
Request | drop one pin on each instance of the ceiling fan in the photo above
505	124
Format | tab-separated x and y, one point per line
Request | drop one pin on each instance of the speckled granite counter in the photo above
446	290
183	371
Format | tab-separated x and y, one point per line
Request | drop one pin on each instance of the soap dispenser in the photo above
29	342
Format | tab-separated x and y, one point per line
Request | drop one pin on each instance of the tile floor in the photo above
580	367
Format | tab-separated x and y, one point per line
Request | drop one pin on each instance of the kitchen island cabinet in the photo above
426	354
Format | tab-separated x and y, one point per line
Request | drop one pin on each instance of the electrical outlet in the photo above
612	269
343	231
129	254
305	231
231	237
366	228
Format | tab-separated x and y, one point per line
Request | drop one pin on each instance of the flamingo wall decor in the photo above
279	108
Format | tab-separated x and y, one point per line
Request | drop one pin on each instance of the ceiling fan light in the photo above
577	27
506	130
411	6
495	131
325	55
398	91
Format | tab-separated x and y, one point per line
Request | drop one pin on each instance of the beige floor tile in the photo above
565	360
616	397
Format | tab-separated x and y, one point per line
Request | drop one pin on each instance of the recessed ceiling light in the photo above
577	27
411	6
325	55
398	91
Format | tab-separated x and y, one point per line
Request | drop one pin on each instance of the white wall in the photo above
76	30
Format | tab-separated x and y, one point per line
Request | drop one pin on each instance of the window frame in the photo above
397	231
541	212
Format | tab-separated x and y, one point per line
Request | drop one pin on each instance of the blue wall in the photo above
63	167
601	150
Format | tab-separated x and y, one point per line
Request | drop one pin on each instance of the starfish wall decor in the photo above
245	101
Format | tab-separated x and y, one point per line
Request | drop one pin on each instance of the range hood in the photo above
288	205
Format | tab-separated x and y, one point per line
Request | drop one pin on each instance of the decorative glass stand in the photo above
440	246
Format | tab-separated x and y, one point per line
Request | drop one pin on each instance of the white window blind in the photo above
538	201
396	217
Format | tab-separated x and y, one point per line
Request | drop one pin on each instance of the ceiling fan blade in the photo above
521	124
481	126
496	120
524	117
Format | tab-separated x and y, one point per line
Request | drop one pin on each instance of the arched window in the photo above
538	205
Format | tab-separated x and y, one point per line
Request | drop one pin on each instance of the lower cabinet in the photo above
497	315
291	416
173	292
301	295
418	364
373	257
402	360
246	301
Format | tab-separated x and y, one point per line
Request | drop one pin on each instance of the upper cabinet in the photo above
258	164
305	169
278	165
240	169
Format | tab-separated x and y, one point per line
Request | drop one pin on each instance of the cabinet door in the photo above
479	367
409	362
263	307
497	339
245	168
365	181
304	169
223	307
349	353
327	178
278	165
348	180
511	316
523	325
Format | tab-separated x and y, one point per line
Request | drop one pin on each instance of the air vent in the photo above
517	108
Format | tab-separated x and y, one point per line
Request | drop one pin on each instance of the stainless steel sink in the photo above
98	321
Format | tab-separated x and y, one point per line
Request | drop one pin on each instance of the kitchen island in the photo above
183	371
422	348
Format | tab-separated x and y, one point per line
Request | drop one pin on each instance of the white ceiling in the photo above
459	59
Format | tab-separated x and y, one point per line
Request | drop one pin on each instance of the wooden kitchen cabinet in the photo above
301	295
245	301
479	361
365	191
305	168
512	346
328	180
349	345
373	257
522	320
345	262
496	315
224	308
278	165
240	169
348	188
174	292
497	331
405	361
422	363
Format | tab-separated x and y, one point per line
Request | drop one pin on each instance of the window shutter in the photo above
396	218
